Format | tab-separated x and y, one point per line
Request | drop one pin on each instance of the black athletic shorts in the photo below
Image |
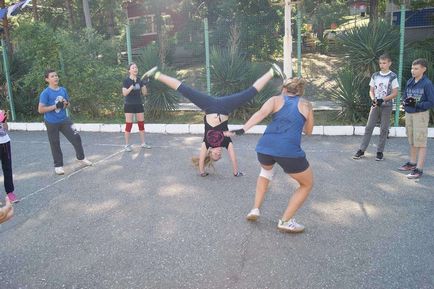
133	108
289	165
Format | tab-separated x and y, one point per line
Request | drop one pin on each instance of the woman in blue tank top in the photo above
217	110
280	144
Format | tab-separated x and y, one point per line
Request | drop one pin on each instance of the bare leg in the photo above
262	81
261	188
171	82
305	180
413	154
421	157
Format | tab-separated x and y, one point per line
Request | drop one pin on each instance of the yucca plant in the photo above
161	99
364	44
232	73
255	71
350	94
229	71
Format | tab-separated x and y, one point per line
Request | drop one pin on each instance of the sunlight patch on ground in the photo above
343	211
24	176
174	190
93	208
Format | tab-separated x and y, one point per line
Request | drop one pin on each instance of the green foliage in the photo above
86	63
228	71
232	73
160	99
364	44
260	27
351	92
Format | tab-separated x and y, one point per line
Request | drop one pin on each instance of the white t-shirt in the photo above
383	83
4	137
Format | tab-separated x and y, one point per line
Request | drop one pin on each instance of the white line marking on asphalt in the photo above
69	175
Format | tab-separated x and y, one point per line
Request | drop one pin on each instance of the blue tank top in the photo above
282	137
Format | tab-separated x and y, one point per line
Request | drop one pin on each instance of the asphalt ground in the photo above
145	219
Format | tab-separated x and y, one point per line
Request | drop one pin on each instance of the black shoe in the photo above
415	174
359	154
379	156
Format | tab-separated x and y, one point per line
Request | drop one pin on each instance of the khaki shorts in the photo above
416	127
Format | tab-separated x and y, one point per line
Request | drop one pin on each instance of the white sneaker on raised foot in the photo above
277	72
86	162
59	171
145	145
253	215
290	226
128	148
150	72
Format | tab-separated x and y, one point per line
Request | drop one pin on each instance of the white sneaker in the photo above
86	162
145	145
128	148
253	215
59	171
150	72
290	226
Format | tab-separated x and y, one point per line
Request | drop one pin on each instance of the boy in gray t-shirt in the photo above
383	89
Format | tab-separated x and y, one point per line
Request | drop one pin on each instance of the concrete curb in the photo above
198	129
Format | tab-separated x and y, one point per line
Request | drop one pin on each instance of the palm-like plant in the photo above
364	44
349	94
228	71
161	99
231	73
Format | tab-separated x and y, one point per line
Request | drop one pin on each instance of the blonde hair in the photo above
208	163
295	85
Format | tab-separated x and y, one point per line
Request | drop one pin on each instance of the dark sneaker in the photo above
13	198
415	174
359	154
379	157
407	167
239	174
149	73
277	72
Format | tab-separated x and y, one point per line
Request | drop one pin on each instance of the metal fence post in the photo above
207	66
401	64
8	79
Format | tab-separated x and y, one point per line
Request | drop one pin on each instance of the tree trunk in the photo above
373	8
87	14
110	23
35	10
70	12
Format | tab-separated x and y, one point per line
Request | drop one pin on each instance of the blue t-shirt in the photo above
282	137
50	97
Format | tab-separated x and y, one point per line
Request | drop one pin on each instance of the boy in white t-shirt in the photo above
6	158
383	89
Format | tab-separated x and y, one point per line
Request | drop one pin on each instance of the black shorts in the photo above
289	165
133	108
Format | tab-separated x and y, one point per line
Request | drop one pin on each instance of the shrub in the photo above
349	93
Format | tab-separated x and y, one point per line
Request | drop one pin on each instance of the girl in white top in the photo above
6	157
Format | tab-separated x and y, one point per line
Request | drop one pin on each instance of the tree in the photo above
86	12
324	13
373	8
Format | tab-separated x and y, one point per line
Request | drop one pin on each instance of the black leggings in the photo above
222	105
6	159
